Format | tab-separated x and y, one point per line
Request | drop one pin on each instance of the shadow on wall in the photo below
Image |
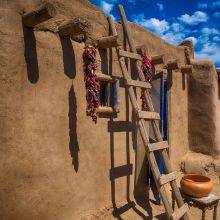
73	144
125	171
30	53
68	58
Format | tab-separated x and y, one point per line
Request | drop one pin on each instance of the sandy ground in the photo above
131	211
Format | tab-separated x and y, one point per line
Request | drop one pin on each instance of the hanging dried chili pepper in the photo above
148	70
90	79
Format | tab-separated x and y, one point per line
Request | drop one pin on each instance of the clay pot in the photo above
196	185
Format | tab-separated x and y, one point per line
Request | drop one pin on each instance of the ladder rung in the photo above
165	178
127	54
149	115
158	146
180	212
140	84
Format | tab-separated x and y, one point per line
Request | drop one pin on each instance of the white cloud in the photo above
106	7
216	38
160	6
194	19
174	38
153	24
209	51
177	27
203	39
210	31
202	5
193	39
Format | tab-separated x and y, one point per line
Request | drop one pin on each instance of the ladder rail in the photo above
141	122
145	138
164	154
143	132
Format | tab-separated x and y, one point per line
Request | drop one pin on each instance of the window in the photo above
108	95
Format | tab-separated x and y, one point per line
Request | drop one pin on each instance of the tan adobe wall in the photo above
55	162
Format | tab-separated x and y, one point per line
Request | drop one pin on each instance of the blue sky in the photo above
175	21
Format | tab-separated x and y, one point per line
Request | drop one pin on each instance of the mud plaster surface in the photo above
54	161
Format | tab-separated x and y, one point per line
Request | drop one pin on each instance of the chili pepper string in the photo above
91	83
148	70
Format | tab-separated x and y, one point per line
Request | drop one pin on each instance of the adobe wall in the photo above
54	161
204	110
204	134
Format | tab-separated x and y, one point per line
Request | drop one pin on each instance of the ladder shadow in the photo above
129	127
141	199
126	170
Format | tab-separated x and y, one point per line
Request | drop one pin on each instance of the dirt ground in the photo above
133	211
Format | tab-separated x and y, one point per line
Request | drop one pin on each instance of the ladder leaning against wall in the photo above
160	145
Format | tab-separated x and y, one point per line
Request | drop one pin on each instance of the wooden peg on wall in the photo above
158	59
172	65
187	69
108	42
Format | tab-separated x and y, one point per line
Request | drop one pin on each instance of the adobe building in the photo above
56	163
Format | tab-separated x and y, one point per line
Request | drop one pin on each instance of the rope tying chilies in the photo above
90	79
149	71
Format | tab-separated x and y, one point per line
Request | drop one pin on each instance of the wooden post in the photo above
112	25
39	15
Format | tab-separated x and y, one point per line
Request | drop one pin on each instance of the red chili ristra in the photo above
148	70
90	79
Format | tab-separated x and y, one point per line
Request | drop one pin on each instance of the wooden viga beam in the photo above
104	77
43	13
172	65
158	59
108	42
67	29
187	69
73	27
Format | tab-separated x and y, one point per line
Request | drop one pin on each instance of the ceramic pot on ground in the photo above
196	185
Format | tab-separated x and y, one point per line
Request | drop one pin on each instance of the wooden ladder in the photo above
169	177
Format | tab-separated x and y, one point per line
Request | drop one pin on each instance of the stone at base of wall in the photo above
201	164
